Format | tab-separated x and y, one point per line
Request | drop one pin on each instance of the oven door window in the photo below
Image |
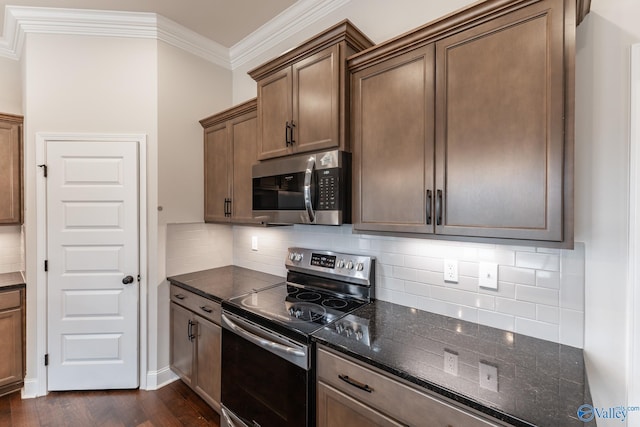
260	387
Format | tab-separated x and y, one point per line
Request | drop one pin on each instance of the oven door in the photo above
266	380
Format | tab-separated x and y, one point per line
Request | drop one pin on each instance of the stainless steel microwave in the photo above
303	189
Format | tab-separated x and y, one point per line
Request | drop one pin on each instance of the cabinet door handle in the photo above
291	136
190	335
287	130
179	296
428	211
228	207
355	383
439	208
206	309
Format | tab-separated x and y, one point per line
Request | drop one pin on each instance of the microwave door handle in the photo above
311	165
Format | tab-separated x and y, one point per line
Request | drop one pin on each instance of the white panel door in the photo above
92	246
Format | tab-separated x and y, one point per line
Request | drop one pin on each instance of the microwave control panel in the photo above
328	189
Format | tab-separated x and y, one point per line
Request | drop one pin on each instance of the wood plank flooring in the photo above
173	405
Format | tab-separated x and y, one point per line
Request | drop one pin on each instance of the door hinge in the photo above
46	359
46	265
44	168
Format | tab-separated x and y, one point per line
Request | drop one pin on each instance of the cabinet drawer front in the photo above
10	299
391	397
204	307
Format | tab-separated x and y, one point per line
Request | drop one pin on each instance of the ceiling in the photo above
223	21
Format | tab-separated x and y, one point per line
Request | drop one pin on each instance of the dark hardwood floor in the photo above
172	405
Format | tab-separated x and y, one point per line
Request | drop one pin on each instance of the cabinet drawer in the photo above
204	307
10	299
391	397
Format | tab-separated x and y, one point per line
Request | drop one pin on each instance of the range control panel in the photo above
336	264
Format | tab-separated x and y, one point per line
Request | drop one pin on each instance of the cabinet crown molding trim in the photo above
21	20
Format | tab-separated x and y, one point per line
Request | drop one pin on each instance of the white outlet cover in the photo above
451	270
488	376
488	275
254	243
450	363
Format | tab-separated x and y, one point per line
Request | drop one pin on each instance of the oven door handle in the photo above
308	175
262	342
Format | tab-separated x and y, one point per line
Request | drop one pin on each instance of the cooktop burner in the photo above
321	287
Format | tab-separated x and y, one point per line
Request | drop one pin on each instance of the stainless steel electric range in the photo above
268	376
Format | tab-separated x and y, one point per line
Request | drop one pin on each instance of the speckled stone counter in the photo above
540	383
222	283
11	280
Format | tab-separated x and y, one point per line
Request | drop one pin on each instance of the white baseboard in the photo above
160	378
30	389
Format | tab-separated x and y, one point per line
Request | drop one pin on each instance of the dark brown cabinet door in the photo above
339	409
275	112
316	89
10	172
243	136
392	123
181	345
11	370
208	362
216	172
500	127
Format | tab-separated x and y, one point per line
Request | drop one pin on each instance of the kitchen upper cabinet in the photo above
393	144
10	169
229	153
303	95
12	351
467	124
195	340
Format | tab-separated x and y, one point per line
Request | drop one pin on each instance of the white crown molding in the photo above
20	20
292	20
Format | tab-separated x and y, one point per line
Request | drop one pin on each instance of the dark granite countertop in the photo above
11	280
540	383
222	283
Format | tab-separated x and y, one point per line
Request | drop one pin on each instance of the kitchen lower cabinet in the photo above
10	169
351	393
229	153
195	341
467	124
12	350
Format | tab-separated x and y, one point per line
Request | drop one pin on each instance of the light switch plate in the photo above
488	275
488	376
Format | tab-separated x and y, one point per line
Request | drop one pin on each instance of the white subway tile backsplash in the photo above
537	295
11	249
538	261
523	276
540	291
516	308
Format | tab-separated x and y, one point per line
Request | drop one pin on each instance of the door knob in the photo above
127	280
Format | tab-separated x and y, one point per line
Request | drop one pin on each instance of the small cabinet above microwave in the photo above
303	94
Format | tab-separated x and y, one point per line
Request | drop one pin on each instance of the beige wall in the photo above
10	86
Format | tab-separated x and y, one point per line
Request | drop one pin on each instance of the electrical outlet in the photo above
254	243
488	376
451	270
451	362
488	275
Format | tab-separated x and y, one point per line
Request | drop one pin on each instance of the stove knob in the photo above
359	335
298	313
291	256
349	331
350	265
339	328
291	311
359	266
298	257
341	263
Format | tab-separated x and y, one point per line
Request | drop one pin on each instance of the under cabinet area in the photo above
303	95
467	123
10	169
352	394
229	153
12	351
195	343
